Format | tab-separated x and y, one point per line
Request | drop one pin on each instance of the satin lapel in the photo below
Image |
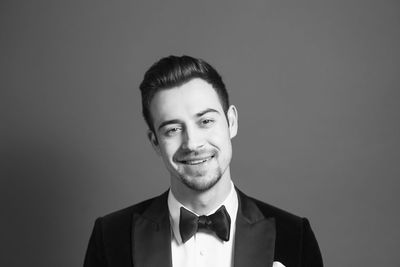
254	237
151	235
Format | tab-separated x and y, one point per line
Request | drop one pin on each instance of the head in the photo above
174	71
191	124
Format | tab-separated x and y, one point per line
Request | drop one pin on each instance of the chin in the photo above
200	184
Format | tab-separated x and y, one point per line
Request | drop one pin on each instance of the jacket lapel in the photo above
254	237
151	235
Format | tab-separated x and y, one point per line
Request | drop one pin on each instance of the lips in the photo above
196	161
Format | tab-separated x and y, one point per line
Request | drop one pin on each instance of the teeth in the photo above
194	162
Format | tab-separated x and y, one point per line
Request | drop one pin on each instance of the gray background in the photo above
316	84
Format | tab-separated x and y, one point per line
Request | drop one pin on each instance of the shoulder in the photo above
282	217
123	217
268	210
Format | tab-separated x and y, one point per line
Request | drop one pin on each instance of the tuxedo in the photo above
140	235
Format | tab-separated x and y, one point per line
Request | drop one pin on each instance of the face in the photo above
193	135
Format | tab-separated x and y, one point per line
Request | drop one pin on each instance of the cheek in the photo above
169	148
220	136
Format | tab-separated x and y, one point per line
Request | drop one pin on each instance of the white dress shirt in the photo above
202	249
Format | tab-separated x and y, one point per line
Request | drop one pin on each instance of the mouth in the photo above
196	161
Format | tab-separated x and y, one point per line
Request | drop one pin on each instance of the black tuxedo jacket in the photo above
140	235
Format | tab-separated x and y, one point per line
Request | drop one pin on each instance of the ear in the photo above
153	140
232	116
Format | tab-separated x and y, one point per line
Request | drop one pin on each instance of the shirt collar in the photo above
231	204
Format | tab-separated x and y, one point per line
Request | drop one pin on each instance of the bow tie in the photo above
218	222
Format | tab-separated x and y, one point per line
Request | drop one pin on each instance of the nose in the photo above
193	139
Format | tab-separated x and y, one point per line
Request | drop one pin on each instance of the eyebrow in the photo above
208	110
199	114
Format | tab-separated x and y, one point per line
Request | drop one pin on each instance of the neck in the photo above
202	202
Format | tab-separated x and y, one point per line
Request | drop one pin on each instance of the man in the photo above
202	220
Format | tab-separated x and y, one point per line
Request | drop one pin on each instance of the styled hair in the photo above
173	71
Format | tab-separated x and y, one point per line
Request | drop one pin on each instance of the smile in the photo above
196	161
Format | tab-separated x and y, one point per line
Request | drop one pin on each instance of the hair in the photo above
173	71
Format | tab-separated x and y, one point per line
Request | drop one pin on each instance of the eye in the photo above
172	131
207	122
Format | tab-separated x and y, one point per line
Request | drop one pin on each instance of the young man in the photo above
202	220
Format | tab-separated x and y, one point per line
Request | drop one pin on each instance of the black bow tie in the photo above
190	223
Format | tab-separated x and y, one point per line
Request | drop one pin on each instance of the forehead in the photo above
186	100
